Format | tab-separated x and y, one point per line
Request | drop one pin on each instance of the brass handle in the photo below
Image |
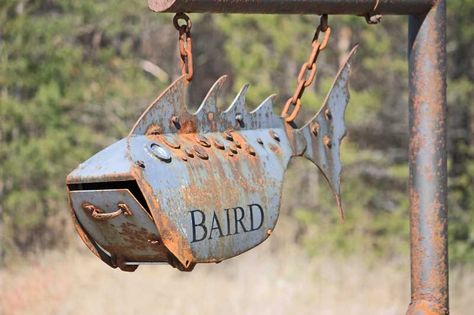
100	214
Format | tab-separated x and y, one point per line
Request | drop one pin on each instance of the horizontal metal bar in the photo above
353	7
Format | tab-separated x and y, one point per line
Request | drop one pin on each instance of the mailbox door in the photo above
129	237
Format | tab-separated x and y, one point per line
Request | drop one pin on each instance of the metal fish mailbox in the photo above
187	188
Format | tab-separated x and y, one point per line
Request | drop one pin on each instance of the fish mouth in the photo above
130	185
114	218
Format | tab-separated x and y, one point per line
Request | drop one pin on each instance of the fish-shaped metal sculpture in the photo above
195	188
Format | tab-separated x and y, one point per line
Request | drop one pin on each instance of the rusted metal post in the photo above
427	160
354	7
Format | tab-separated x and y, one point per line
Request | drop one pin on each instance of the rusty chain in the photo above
185	44
304	80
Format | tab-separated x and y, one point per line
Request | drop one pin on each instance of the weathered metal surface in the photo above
427	161
324	133
354	7
201	187
131	238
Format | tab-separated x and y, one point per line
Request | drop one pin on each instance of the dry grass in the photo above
266	280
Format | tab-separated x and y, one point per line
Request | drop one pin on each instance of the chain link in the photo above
308	71
185	44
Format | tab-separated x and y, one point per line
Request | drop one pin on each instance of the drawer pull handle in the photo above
100	214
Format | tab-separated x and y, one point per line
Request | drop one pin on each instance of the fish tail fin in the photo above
324	132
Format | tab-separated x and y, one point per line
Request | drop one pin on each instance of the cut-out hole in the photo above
130	185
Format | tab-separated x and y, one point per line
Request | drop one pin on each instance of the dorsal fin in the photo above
237	107
238	104
264	114
172	102
169	114
208	111
209	104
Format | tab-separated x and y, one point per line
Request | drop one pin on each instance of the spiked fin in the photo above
209	104
236	110
264	114
324	132
172	102
169	114
238	104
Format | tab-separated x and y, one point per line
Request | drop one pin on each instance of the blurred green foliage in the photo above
74	76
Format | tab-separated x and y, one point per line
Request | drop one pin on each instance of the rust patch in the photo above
170	142
170	236
274	148
427	160
153	130
188	126
85	237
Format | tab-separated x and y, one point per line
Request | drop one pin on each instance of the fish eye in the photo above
160	152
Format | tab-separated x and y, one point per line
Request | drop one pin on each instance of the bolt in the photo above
140	163
373	18
233	149
274	135
202	140
237	144
160	152
169	142
175	121
259	140
315	129
228	135
218	144
154	130
250	150
189	152
239	119
200	152
328	114
327	142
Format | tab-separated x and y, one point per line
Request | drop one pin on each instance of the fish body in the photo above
186	188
